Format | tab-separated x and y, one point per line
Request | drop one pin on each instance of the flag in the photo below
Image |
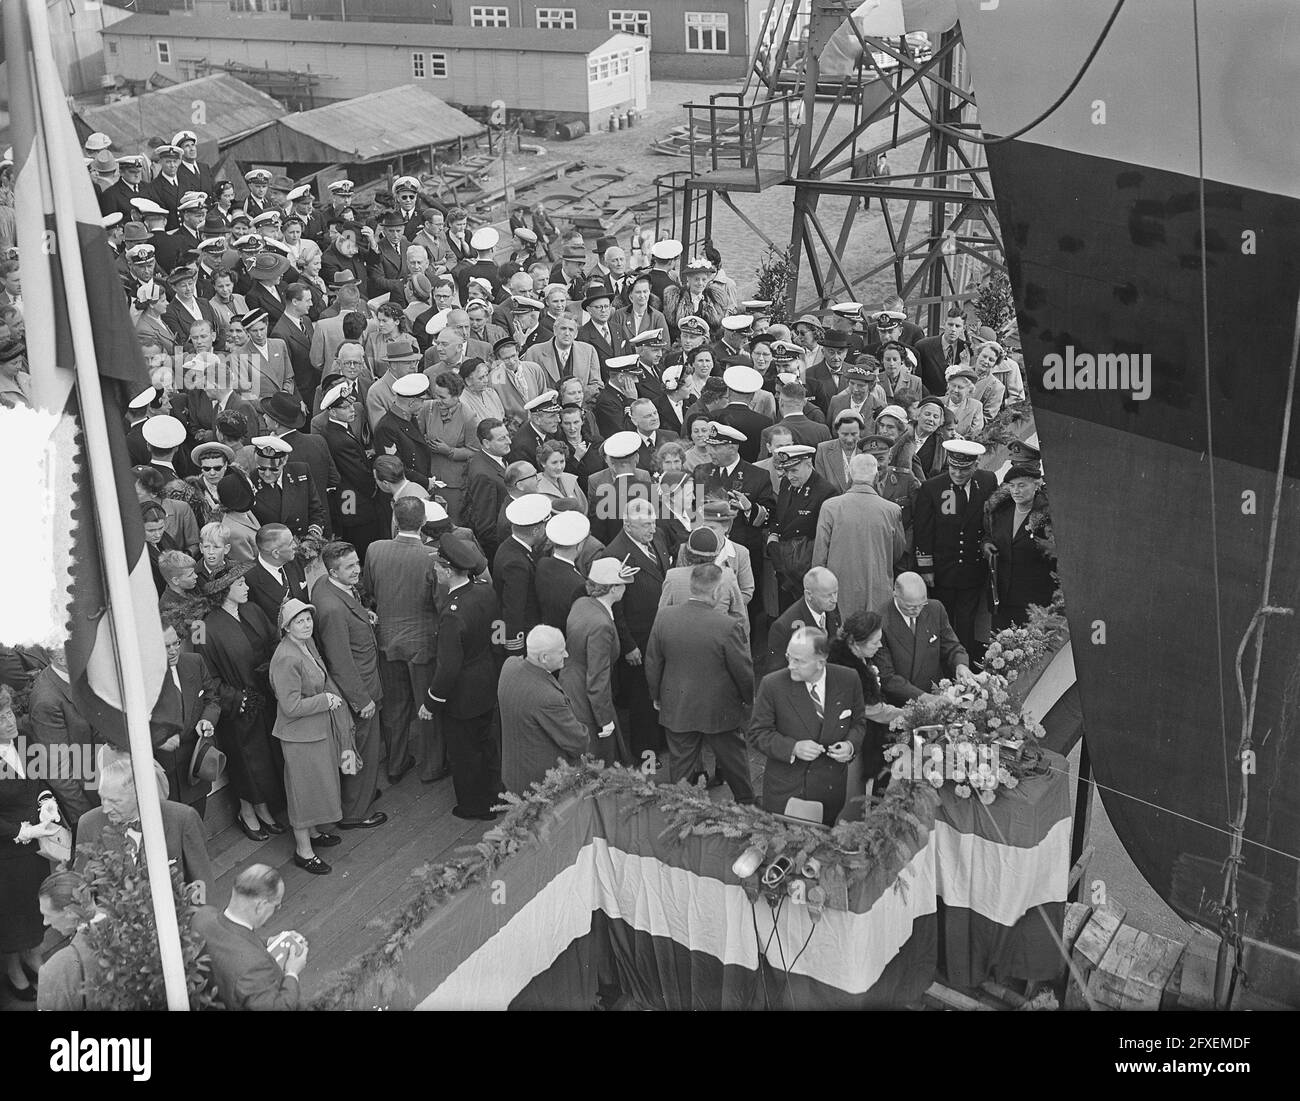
43	135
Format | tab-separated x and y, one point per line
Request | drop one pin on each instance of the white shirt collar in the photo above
275	571
236	921
339	584
820	685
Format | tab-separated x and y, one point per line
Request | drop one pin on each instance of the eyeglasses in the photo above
212	467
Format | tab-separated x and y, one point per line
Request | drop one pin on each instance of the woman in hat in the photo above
236	495
221	199
553	476
315	733
676	505
701	297
67	976
966	411
237	642
151	301
898	376
918	449
859	640
578	433
1020	542
22	867
213	461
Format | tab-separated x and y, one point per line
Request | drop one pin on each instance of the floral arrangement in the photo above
1014	650
852	849
308	549
971	733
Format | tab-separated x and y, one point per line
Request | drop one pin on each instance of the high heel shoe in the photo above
272	826
314	864
252	834
22	993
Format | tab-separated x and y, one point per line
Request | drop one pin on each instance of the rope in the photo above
961	135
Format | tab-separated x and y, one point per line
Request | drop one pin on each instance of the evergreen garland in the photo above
848	853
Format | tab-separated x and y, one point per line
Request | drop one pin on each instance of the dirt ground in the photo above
772	210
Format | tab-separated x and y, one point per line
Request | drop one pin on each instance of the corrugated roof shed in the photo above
373	127
428	35
233	110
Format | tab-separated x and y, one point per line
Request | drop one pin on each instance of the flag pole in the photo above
104	488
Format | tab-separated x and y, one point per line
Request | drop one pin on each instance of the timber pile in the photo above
1118	966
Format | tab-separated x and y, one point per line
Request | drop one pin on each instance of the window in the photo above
112	48
489	17
164	51
609	66
557	19
706	32
438	65
630	22
417	66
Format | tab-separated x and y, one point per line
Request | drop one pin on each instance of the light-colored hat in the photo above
962	452
896	411
484	239
672	377
437	322
148	206
97	141
701	266
434	513
610	571
522	303
163	432
412	385
108	221
212	244
339	187
267	217
792	454
623	363
568	529
526	234
335	394
302	191
531	508
192	199
725	433
143	399
257	176
847	309
183	136
105	163
742	379
737	322
292	609
693	324
958	370
545	402
273	444
622	444
756	305
406	183
211	448
651	337
666	250
809	319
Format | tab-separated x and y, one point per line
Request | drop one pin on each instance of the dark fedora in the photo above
207	762
834	338
283	409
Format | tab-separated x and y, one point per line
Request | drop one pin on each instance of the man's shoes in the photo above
717	780
325	840
258	834
22	993
396	777
442	775
485	816
376	819
315	864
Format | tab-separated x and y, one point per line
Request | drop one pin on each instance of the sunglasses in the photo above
212	467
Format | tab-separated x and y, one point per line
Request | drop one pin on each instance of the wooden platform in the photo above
341	914
739	179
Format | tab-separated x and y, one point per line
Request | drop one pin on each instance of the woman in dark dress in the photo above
857	643
1020	531
22	868
237	643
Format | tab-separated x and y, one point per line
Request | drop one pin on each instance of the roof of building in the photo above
427	35
381	124
234	109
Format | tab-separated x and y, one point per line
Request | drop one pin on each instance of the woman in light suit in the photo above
552	478
315	734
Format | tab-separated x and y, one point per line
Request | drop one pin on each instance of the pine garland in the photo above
849	852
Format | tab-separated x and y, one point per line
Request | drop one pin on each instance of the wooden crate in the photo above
1139	971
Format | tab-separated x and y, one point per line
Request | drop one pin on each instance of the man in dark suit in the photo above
400	579
276	576
464	688
385	263
790	400
345	635
285	492
644	414
948	536
641	544
196	175
599	304
485	483
398	433
701	680
58	724
612	403
919	646
825	378
809	721
131	185
538	726
515	566
792	527
938	353
742	384
245	973
543	424
818	607
188	708
295	328
355	508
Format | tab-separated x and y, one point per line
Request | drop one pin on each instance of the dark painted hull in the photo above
1105	256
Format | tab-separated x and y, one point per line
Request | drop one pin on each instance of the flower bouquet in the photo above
969	733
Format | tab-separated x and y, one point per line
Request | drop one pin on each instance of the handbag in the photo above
792	558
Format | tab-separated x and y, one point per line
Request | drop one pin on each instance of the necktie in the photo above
911	623
817	701
952	353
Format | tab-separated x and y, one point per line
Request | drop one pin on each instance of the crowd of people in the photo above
418	496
